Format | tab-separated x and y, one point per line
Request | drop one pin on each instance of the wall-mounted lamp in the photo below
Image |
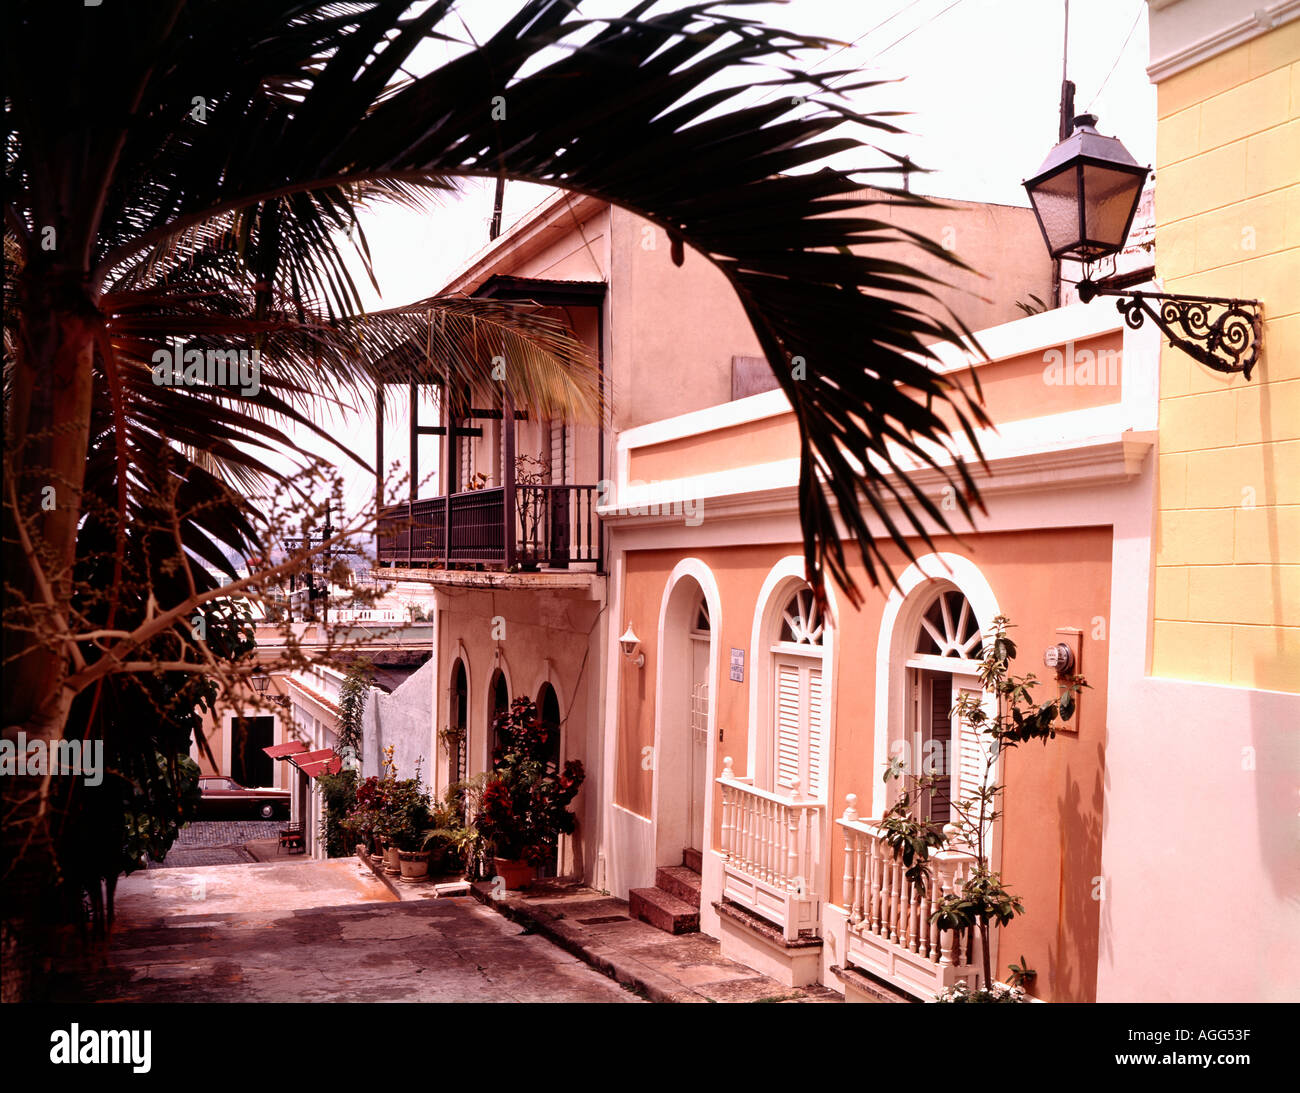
1085	196
631	645
261	681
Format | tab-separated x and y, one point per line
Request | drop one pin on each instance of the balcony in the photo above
528	527
771	852
889	931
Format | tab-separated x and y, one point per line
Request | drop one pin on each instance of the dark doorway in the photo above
498	703
458	760
548	710
250	766
937	757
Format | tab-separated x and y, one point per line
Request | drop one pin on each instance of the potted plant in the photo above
523	807
531	472
365	820
408	818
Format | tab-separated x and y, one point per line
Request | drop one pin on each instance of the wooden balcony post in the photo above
414	441
446	470
508	478
379	460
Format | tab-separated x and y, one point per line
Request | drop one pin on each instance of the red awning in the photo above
283	751
315	763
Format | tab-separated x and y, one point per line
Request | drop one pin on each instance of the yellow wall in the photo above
1227	593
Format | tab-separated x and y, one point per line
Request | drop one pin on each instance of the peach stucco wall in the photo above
1051	846
1026	385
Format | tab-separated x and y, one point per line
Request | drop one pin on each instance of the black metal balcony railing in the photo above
550	526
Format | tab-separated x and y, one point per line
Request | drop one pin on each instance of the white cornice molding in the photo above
1110	460
1233	23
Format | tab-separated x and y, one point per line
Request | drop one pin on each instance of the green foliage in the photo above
352	707
523	805
1020	974
339	792
154	811
407	812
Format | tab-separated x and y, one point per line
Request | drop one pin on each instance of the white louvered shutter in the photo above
799	727
789	719
970	754
812	783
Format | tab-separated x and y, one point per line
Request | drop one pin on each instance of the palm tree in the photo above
180	169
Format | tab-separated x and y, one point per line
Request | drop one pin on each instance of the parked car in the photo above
224	798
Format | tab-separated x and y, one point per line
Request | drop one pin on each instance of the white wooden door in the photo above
799	724
699	743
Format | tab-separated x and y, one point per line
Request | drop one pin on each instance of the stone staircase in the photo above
673	904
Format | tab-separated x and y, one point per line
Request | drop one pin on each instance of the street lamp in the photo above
631	645
261	681
1085	196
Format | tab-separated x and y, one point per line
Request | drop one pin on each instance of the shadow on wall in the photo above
1072	958
1272	754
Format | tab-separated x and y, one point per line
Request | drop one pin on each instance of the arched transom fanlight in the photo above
949	628
801	621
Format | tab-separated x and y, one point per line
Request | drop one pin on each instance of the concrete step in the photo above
663	911
681	882
693	860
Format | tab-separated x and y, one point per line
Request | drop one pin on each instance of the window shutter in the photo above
971	756
812	785
799	728
789	715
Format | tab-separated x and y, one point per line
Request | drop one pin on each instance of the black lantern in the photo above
260	681
1085	196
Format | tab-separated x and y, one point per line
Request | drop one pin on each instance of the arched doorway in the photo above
548	712
943	664
793	751
458	725
498	703
685	696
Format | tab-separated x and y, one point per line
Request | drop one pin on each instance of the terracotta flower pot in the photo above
392	862
516	874
414	864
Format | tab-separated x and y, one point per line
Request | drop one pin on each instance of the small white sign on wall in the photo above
738	665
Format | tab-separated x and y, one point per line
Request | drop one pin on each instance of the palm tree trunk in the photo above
47	439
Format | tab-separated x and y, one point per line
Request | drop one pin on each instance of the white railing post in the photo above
728	812
792	838
772	851
850	889
945	886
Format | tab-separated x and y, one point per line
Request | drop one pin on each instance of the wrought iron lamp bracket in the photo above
1222	334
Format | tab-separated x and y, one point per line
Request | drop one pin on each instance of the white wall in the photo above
405	720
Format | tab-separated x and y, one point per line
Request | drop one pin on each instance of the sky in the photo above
979	81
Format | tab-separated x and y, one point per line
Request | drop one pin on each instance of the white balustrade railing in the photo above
891	930
771	849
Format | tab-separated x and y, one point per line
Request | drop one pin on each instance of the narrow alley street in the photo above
319	931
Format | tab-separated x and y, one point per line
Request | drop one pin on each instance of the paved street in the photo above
320	932
216	842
